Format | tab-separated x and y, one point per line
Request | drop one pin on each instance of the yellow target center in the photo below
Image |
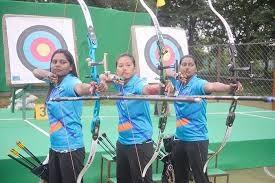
43	49
167	56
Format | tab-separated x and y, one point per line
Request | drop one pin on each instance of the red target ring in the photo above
36	45
151	52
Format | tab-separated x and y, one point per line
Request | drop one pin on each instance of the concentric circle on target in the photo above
151	52
36	45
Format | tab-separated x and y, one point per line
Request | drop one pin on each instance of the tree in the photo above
250	20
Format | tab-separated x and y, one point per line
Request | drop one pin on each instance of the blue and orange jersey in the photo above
135	125
65	117
191	121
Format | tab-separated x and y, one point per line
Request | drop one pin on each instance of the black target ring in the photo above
28	55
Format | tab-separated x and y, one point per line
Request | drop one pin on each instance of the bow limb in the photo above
233	50
232	68
156	25
92	43
86	13
164	110
226	25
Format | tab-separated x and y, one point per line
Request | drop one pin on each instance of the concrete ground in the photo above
256	175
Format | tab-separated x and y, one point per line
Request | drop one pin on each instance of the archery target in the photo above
29	42
36	45
146	53
151	52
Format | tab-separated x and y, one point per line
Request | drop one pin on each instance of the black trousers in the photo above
65	168
130	166
190	156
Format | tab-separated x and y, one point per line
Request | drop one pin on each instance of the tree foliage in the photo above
250	20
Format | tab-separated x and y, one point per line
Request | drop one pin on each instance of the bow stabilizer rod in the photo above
194	98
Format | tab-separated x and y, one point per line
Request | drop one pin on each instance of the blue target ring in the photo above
36	44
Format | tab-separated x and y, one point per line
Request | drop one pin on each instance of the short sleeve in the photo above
70	85
139	86
200	85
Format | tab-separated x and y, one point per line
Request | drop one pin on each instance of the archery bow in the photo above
95	124
164	109
232	68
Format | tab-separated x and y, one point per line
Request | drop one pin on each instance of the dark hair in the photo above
126	55
69	57
189	56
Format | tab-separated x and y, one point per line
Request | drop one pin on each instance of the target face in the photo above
151	52
36	45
